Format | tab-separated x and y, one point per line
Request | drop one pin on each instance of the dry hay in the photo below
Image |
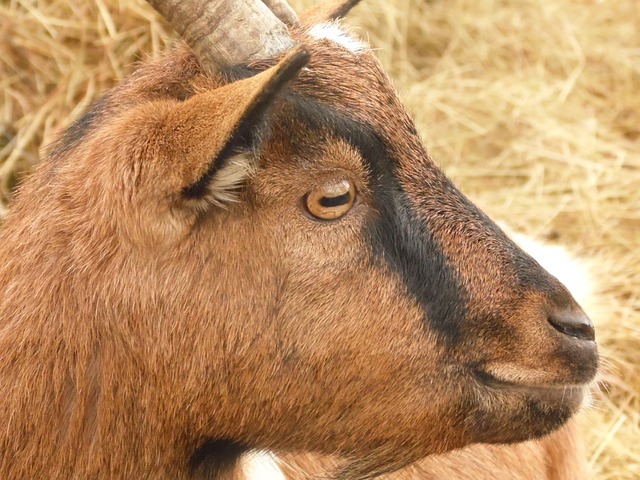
532	106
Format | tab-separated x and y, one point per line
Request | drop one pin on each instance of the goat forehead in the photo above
338	74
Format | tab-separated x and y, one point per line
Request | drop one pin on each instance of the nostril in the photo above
574	324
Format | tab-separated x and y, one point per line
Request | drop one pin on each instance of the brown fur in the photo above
150	333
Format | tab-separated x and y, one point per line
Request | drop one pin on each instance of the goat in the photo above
245	246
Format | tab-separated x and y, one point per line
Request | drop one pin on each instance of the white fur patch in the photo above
260	466
332	32
223	187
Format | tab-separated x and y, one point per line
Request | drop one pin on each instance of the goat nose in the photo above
573	323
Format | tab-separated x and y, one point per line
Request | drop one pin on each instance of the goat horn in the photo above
283	11
223	33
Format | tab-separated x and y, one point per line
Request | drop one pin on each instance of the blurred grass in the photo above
531	106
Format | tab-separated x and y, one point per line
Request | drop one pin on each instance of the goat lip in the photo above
570	394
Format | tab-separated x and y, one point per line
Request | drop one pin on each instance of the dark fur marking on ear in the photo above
246	132
328	10
234	73
344	9
397	236
79	129
215	456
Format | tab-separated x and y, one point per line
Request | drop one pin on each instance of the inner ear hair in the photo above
224	185
327	11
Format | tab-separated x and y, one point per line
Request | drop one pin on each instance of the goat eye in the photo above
332	200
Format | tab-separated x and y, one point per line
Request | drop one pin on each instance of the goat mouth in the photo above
569	395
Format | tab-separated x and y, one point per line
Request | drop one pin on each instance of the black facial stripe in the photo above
396	235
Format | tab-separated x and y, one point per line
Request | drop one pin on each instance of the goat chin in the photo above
559	456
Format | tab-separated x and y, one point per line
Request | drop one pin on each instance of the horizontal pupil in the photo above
329	202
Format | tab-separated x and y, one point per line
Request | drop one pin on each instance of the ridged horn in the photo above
223	33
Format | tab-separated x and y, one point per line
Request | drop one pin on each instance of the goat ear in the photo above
327	11
250	103
203	135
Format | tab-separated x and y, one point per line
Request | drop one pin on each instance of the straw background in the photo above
531	106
